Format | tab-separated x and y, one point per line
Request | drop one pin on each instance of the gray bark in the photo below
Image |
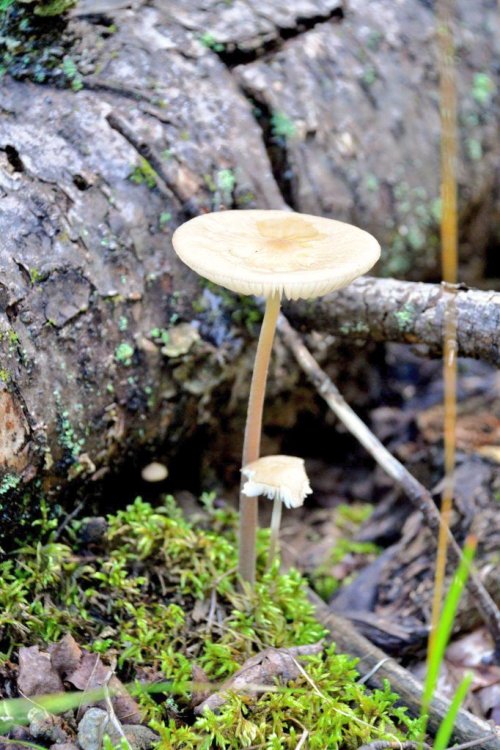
407	312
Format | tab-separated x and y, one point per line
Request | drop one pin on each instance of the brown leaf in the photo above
36	674
91	673
65	655
260	671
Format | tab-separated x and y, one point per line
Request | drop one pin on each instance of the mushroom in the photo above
282	479
271	253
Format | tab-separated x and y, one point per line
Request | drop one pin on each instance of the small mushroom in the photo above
282	479
271	253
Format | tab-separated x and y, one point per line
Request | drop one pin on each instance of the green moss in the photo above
474	149
124	353
4	375
482	88
133	601
144	174
9	483
208	40
68	438
282	126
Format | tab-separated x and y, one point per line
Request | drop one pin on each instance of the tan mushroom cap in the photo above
277	477
275	252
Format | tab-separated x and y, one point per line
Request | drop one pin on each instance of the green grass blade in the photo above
447	618
446	727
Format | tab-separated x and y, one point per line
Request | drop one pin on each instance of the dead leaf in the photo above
65	655
259	672
36	674
91	673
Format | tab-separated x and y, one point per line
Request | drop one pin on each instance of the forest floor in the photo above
136	626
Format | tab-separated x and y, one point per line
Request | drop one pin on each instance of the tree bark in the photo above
407	312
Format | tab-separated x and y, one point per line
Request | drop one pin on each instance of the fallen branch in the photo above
416	492
404	311
468	728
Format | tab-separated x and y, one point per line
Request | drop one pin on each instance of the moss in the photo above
144	174
9	483
33	43
134	599
405	316
124	353
482	88
282	126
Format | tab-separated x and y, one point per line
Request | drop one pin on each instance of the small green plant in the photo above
72	73
282	126
144	174
209	41
482	88
437	648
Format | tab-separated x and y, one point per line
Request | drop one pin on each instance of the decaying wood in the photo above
373	661
408	312
419	496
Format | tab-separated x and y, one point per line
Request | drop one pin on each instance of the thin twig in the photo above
303	738
474	743
372	671
384	745
416	492
113	718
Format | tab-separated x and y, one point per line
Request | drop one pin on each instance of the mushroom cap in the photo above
275	252
277	477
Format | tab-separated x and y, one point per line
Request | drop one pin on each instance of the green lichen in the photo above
474	149
357	326
124	353
282	126
123	323
72	73
67	436
9	483
165	218
482	88
160	335
4	375
210	42
36	276
369	76
406	315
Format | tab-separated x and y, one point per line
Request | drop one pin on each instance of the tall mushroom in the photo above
271	253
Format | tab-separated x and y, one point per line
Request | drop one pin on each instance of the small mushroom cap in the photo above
154	472
275	252
277	477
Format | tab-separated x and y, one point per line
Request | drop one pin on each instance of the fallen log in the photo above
407	312
377	667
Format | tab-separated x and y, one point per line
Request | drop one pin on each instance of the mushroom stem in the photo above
251	443
275	530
